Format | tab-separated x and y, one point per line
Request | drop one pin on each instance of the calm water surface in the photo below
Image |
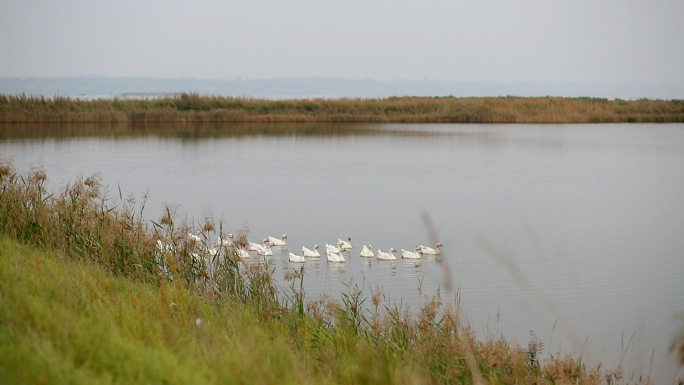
577	226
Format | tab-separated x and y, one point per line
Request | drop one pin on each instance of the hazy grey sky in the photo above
597	41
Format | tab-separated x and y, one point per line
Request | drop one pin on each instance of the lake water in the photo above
573	231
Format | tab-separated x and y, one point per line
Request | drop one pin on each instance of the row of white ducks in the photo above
418	251
334	253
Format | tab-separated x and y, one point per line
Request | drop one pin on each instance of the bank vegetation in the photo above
192	107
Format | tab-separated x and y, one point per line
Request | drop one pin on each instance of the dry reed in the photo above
192	107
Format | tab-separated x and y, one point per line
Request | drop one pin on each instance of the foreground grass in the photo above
197	108
69	322
91	298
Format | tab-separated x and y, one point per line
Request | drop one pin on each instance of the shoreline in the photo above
195	108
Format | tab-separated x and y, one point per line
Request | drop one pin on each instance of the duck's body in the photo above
367	251
332	249
430	250
387	256
410	254
335	257
344	245
163	246
256	246
194	238
297	258
265	251
277	242
221	242
242	253
311	253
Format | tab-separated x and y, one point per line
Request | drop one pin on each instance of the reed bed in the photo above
192	107
94	297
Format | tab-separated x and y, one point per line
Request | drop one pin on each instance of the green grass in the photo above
87	297
192	107
69	322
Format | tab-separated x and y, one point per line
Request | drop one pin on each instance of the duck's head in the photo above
317	246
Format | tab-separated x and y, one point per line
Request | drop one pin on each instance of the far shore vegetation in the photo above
92	292
193	107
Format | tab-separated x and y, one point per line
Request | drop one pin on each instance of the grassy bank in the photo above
197	108
86	296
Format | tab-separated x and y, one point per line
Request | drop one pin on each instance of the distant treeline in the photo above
192	107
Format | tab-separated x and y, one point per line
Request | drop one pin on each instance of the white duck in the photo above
334	257
277	242
242	253
297	258
387	256
366	251
344	245
430	250
256	246
195	238
265	251
411	254
311	253
332	249
164	246
220	242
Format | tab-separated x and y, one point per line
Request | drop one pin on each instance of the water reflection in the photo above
196	130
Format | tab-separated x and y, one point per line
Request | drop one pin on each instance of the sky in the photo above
578	41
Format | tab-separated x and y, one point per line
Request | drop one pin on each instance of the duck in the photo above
344	245
164	246
387	256
410	254
277	242
256	246
311	253
265	251
430	250
195	238
221	242
297	258
332	249
242	253
366	251
334	257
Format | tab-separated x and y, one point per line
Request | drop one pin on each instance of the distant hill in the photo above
310	87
